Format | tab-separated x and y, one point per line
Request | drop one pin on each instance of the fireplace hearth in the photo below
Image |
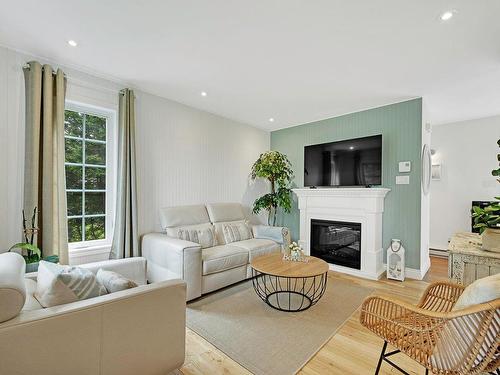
336	242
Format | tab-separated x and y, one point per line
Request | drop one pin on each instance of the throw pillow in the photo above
114	282
204	236
480	291
57	285
235	232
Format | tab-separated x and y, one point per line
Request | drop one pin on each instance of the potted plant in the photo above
487	219
277	169
30	252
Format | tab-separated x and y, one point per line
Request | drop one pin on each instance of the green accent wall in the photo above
401	128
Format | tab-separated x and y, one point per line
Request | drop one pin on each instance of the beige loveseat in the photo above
135	331
212	268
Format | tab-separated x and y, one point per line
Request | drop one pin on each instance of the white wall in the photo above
467	152
188	156
184	155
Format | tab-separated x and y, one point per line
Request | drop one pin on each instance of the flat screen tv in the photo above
353	162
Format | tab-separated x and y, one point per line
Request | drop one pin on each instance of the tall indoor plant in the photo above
487	219
277	169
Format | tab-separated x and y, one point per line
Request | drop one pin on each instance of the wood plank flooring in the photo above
352	350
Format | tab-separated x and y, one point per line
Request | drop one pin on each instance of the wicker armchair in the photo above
443	341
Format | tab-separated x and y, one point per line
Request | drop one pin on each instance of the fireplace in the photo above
336	242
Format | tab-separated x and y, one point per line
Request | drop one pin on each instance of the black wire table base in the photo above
289	294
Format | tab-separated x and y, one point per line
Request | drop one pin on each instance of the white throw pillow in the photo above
57	285
234	232
114	282
204	235
480	291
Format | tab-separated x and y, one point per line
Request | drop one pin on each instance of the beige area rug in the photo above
267	341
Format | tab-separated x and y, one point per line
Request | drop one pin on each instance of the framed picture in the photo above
436	172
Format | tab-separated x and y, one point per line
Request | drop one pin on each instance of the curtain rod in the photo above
28	66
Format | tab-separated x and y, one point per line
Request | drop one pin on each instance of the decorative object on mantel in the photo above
30	252
396	260
277	169
487	219
467	262
295	253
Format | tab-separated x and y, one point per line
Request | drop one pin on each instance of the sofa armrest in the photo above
134	331
173	258
280	235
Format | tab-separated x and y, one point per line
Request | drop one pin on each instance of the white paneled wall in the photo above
184	155
187	156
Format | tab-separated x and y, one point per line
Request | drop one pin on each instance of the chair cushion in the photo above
12	286
57	285
183	215
31	302
220	258
203	234
220	212
480	291
257	247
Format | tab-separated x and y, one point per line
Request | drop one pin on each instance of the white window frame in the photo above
111	158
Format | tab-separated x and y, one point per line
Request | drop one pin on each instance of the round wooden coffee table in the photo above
286	285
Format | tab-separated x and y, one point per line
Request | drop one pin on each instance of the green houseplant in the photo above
277	169
30	252
487	219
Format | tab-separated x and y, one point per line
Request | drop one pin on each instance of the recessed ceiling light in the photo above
203	93
72	43
447	15
271	120
351	148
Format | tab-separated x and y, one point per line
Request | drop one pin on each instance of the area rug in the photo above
266	341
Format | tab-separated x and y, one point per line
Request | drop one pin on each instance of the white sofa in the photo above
208	269
135	331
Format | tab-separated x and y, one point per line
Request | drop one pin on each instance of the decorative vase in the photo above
491	239
32	267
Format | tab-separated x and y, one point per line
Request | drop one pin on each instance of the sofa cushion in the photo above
12	286
58	285
219	229
224	257
113	281
234	232
221	212
31	302
257	247
203	234
183	215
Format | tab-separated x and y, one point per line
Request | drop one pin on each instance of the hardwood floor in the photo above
352	350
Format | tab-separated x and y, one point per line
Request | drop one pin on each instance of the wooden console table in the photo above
467	261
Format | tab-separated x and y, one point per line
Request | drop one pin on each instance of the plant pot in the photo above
32	267
491	239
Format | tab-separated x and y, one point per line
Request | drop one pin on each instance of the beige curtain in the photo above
44	177
125	237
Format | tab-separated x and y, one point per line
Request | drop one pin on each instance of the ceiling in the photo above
293	60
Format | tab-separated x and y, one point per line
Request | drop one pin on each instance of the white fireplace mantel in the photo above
357	205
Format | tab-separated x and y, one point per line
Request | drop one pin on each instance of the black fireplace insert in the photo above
336	242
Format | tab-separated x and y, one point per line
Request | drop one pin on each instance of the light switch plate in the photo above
402	180
404	166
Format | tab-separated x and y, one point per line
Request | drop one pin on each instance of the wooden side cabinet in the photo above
467	262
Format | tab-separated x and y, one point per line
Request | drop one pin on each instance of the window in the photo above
88	175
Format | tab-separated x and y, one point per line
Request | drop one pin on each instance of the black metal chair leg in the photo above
426	371
381	358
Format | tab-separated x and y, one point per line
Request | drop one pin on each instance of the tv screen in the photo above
353	162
